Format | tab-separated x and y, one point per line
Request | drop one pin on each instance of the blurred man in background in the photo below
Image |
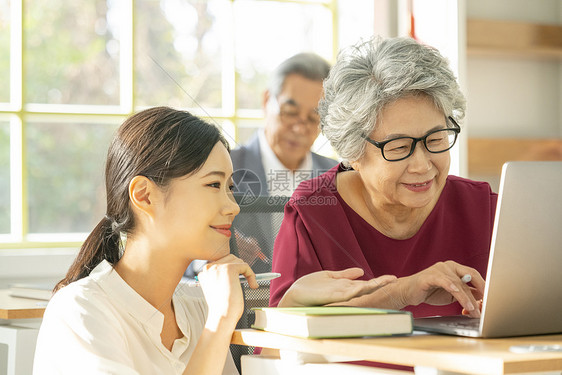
279	156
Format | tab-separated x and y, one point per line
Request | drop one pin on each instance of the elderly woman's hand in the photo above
441	284
325	287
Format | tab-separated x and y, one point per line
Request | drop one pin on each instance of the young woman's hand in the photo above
326	287
221	285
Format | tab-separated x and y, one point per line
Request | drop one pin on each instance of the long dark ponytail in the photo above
159	143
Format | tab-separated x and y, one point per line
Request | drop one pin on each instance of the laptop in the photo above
523	292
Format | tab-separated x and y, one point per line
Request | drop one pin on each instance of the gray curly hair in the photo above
373	74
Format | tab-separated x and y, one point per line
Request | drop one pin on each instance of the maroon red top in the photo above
321	232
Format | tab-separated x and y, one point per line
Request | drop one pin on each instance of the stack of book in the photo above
332	321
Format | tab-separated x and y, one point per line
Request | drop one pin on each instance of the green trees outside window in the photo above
72	71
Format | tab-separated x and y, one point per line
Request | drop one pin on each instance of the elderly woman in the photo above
391	111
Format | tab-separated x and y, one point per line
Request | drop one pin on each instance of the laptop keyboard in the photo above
463	323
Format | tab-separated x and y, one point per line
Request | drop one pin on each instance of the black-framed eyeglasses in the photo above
436	141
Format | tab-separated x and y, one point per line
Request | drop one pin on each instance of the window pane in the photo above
65	167
228	131
247	129
323	147
181	39
4	177
5	50
71	52
268	32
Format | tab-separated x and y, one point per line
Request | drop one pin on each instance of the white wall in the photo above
515	97
34	265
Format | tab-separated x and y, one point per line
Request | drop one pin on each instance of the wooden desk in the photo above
464	355
20	308
19	329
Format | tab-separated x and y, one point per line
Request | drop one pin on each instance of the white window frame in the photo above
17	111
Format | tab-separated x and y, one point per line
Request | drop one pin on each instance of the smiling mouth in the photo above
223	229
420	185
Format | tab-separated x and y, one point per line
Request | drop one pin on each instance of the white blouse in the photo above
100	325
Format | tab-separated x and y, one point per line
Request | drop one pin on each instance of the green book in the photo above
332	321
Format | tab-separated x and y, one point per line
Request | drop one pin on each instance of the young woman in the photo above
119	309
